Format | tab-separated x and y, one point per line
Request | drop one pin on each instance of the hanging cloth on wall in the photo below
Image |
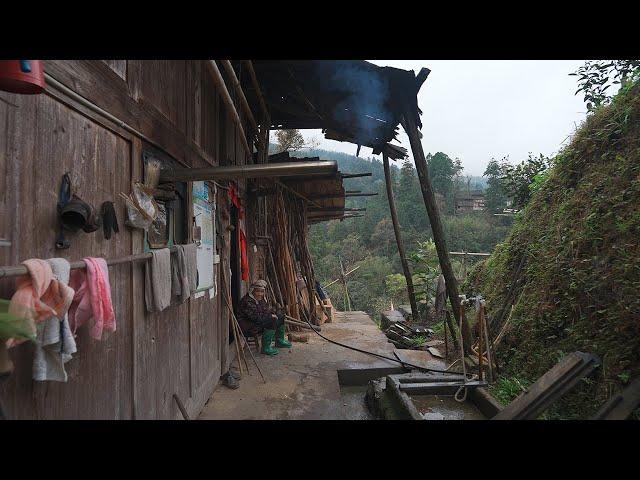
191	262
157	281
244	261
109	219
33	300
180	286
55	344
93	298
234	195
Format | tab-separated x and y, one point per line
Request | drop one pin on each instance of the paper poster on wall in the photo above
203	212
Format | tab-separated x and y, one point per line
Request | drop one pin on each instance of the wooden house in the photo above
102	122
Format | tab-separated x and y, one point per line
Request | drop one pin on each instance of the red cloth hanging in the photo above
244	260
236	200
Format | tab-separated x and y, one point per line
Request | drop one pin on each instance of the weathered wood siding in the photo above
134	372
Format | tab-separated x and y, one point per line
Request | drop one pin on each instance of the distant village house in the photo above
472	201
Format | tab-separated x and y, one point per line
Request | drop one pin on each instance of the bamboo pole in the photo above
226	98
428	196
480	344
256	86
454	340
226	296
243	100
485	330
396	230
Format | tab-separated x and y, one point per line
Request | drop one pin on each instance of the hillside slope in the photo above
578	287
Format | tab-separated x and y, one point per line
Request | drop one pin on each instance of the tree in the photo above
495	195
444	172
383	237
426	269
289	140
411	214
596	76
516	180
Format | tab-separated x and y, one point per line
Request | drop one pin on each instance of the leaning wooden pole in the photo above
429	198
396	230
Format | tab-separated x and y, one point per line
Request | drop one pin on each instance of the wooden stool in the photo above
253	340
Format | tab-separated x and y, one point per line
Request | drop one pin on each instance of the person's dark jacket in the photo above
254	315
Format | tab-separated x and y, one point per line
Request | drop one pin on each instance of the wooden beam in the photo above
621	405
321	196
226	98
298	194
369	194
243	100
551	386
471	253
256	87
354	175
428	195
396	230
320	210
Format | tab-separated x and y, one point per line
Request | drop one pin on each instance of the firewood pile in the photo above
290	270
406	336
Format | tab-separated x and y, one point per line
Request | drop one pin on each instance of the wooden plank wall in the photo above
135	371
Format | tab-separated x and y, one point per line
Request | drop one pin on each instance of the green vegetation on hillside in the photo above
369	241
577	239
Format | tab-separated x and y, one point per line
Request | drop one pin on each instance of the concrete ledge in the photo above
356	376
485	402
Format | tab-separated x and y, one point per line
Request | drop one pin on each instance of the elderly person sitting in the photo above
255	317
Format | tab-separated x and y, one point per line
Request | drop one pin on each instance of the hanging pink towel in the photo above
92	298
34	300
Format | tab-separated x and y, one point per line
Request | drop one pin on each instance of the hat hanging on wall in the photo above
22	76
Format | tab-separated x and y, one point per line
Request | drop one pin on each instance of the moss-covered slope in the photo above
579	285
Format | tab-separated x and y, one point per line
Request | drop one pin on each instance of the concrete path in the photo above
302	383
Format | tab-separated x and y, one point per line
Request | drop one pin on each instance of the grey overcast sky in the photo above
476	109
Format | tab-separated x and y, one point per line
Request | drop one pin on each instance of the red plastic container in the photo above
22	76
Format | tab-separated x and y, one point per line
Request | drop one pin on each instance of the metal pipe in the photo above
226	98
284	169
22	270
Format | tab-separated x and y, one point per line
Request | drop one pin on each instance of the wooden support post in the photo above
446	341
480	344
343	277
454	340
429	198
396	230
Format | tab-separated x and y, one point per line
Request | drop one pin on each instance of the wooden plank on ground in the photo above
558	381
622	405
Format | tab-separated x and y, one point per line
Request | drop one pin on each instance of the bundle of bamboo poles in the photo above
291	257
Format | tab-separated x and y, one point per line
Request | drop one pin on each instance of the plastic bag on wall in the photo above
142	209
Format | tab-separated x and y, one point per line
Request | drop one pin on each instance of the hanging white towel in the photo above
55	344
157	288
191	263
180	286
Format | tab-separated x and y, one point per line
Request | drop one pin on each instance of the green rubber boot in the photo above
281	342
267	338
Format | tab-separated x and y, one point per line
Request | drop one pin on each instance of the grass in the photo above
506	389
578	235
419	340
